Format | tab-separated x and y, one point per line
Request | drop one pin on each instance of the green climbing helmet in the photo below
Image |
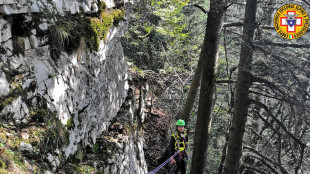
180	122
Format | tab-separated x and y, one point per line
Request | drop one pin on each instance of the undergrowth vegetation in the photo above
43	134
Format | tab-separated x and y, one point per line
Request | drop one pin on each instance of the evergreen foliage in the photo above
158	36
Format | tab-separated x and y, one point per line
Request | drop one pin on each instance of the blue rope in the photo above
163	164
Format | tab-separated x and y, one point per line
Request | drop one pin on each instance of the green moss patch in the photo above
84	169
70	122
101	26
13	95
118	15
68	32
15	91
102	6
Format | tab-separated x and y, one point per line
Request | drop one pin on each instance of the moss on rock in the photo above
70	123
66	34
101	26
13	95
102	6
118	15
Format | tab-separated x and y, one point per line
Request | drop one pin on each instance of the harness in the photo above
180	141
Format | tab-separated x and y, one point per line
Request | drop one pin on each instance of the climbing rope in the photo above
163	164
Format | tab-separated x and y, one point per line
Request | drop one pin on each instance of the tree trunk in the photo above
208	55
224	153
191	97
242	91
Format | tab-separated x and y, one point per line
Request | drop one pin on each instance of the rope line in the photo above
163	164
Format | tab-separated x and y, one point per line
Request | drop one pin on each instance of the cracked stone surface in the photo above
89	87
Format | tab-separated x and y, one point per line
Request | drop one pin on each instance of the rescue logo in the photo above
291	21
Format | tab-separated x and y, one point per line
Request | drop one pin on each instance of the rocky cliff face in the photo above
83	89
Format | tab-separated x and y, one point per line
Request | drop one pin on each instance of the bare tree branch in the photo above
263	50
301	157
267	27
225	81
233	24
268	83
279	149
240	24
282	169
306	2
261	105
251	168
267	123
280	44
263	158
274	97
225	8
285	95
201	8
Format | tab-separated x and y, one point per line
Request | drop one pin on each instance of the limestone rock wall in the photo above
9	7
126	139
85	87
27	8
